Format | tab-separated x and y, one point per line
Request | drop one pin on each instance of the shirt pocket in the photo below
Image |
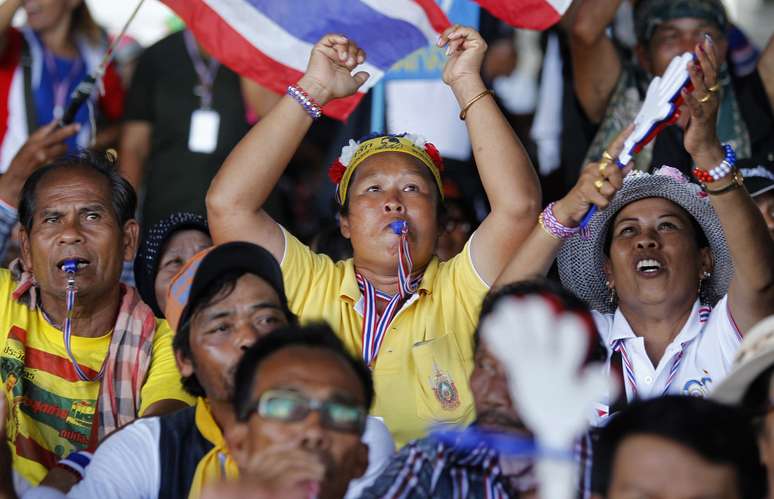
443	394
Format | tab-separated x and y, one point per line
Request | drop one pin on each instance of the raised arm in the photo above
135	147
237	193
535	257
506	172
766	70
595	63
751	294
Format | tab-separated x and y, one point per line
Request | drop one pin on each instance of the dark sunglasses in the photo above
288	406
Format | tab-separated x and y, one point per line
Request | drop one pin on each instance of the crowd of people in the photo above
196	340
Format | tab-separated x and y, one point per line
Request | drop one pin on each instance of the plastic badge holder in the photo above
660	109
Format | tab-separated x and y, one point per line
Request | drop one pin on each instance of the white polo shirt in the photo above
708	342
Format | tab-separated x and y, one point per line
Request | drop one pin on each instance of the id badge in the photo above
203	136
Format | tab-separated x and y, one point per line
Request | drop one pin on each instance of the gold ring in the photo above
705	98
598	184
603	166
714	88
606	155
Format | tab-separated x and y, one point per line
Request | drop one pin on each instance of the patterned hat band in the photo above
355	153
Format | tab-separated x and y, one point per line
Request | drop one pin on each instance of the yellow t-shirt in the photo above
422	370
51	410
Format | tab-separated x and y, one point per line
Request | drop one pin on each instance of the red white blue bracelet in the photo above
723	170
311	106
556	229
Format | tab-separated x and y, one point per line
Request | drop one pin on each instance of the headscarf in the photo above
356	152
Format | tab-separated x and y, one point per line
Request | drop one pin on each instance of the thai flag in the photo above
529	14
270	41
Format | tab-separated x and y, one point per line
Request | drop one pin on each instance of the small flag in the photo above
528	14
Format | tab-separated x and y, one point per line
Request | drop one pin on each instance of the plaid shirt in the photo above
427	468
8	219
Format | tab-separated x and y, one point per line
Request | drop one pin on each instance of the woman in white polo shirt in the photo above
675	272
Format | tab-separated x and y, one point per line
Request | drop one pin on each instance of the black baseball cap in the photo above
205	267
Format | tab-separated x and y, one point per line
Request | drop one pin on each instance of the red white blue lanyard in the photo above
375	326
619	345
61	86
70	267
205	72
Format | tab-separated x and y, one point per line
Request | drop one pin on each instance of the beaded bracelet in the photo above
724	169
311	106
554	227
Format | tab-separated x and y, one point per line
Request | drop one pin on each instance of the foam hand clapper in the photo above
659	109
543	353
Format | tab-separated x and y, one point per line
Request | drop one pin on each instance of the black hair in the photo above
316	336
562	299
122	194
700	236
720	434
756	399
218	290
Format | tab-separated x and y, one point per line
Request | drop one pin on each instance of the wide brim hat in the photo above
581	259
755	355
205	267
146	263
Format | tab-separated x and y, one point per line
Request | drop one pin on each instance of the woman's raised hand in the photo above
597	184
465	49
703	103
329	73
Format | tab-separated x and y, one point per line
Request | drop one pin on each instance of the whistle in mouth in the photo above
398	226
70	266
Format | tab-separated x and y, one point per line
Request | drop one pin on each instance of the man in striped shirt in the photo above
433	467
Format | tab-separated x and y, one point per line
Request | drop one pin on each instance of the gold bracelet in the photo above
736	181
464	111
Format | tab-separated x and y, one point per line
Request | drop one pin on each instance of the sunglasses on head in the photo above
289	406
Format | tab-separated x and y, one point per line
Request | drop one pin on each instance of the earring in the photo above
705	275
612	299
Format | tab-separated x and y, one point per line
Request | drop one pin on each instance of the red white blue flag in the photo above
529	14
270	41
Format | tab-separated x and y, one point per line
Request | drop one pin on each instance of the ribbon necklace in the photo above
70	267
619	345
374	325
205	72
61	86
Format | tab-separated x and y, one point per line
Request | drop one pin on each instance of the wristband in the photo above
556	229
76	463
310	105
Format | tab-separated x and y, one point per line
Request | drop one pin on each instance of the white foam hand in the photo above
542	354
658	105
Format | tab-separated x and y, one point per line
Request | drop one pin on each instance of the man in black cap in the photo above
759	182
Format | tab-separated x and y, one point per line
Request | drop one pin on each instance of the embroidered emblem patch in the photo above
445	390
699	387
